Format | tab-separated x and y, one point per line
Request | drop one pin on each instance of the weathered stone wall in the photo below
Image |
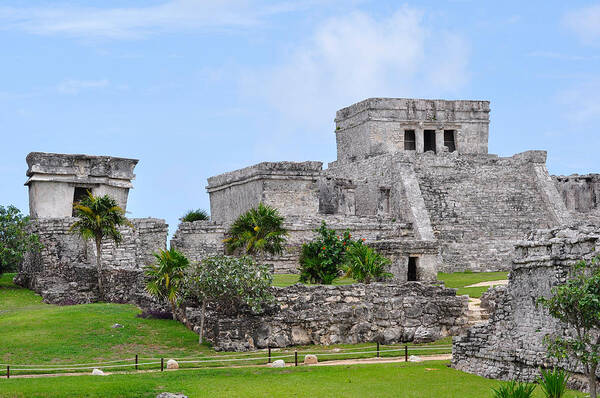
64	271
341	314
581	194
510	345
393	238
289	186
376	126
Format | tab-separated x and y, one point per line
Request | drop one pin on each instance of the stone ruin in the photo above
413	177
510	345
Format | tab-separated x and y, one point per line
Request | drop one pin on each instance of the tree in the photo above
99	218
165	278
258	231
15	240
231	283
364	264
195	215
576	304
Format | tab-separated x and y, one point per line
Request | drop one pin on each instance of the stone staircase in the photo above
475	313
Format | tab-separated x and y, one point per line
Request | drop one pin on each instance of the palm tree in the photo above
166	278
98	218
258	231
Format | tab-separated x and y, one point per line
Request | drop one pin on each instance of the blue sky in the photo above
197	88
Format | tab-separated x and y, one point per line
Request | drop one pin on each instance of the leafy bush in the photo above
321	260
195	215
364	264
513	389
165	278
260	230
231	282
553	382
15	241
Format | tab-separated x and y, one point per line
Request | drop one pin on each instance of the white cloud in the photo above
585	23
72	86
561	56
353	57
138	22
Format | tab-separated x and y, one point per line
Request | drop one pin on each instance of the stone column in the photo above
439	141
419	141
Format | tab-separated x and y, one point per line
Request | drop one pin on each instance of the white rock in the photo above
414	358
98	372
116	326
172	364
278	364
310	359
170	395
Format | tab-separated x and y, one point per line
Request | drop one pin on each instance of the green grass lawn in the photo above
283	280
459	280
407	380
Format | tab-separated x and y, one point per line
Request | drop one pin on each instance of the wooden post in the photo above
136	361
7	371
405	353
269	360
378	349
162	364
296	357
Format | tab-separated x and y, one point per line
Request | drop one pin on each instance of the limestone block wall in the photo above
581	193
64	271
481	205
289	186
340	314
201	239
510	345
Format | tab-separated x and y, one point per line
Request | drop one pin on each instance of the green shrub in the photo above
364	264
258	231
322	259
513	389
15	240
195	215
553	382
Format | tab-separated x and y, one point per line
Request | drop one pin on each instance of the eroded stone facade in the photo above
510	345
388	313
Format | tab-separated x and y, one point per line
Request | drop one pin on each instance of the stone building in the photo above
413	177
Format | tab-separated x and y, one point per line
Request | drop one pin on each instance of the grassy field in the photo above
455	280
38	333
459	280
408	380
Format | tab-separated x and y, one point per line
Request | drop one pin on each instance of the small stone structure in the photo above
388	313
56	181
412	176
510	345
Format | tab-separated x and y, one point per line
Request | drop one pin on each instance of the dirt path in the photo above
490	283
442	357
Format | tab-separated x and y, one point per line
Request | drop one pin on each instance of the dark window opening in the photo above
409	140
79	194
412	269
429	140
449	140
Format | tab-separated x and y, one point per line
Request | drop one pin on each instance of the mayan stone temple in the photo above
412	176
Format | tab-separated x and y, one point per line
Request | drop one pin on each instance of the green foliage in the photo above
232	282
165	279
553	382
15	240
98	218
260	230
512	389
577	305
321	260
195	215
364	264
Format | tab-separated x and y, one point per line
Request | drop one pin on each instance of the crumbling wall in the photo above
64	271
510	345
481	205
581	194
340	314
